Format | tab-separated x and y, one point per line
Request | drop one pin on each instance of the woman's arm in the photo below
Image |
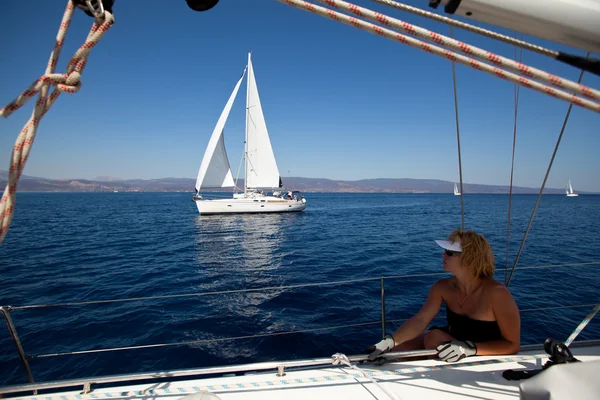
418	323
508	318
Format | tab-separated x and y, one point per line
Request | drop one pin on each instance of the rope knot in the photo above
68	83
339	358
71	83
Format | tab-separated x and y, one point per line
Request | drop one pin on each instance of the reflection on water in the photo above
243	243
243	251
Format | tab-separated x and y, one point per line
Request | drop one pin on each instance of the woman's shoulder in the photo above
497	290
494	285
445	283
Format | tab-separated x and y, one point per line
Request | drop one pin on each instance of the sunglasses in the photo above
451	253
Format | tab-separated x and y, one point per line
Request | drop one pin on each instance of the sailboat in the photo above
569	190
260	168
456	192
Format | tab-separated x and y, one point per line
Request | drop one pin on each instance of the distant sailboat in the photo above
261	170
456	192
569	190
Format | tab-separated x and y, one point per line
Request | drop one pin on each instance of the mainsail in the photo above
570	187
214	170
261	168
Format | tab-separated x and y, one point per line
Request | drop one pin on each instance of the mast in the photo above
247	122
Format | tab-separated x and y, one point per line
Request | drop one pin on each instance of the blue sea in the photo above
86	247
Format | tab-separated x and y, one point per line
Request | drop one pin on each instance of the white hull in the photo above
572	195
260	204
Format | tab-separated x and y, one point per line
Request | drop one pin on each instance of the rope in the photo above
470	62
462	199
562	130
582	325
464	48
339	358
471	28
512	166
69	82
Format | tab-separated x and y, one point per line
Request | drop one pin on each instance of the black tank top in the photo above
465	328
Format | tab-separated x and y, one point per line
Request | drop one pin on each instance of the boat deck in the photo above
471	378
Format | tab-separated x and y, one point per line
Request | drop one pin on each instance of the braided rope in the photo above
340	358
69	82
471	28
582	325
464	48
452	56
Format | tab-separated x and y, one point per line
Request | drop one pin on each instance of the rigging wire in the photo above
282	287
512	165
272	334
462	201
562	130
237	175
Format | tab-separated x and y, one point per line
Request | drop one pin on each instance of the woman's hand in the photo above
382	347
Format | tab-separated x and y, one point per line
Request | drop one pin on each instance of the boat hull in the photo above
255	205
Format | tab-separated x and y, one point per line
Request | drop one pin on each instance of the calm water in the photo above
83	247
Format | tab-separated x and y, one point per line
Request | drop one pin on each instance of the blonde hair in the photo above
477	253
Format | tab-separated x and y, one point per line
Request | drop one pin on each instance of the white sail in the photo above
261	168
214	169
569	190
456	192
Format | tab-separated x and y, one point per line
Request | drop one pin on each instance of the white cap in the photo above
448	245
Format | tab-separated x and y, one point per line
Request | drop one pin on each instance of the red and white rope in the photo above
450	55
464	48
471	28
68	82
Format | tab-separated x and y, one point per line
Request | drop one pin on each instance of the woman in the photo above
483	318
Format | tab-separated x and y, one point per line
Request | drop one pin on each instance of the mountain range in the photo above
307	185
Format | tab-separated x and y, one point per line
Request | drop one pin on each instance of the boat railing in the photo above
24	357
279	366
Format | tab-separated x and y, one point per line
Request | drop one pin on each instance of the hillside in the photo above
400	185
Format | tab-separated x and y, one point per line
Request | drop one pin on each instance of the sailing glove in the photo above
382	347
455	351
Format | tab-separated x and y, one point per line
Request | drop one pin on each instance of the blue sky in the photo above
340	103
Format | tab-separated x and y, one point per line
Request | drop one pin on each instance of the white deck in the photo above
472	378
